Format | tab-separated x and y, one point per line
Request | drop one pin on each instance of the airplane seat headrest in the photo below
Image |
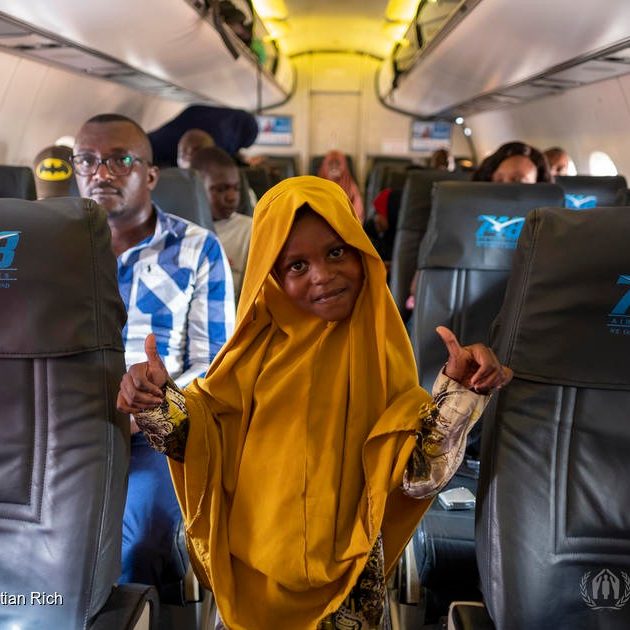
552	515
58	279
180	191
17	181
64	451
476	225
568	301
54	173
413	217
590	191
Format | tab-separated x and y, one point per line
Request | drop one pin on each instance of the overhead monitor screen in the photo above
429	136
275	130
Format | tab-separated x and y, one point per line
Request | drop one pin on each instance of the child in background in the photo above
222	181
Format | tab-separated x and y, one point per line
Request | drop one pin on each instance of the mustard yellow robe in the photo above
299	436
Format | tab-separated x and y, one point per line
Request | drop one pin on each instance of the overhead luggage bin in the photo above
470	66
174	52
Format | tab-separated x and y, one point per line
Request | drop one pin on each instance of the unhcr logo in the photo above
607	590
501	232
619	317
580	202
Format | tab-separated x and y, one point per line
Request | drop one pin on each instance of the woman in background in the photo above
514	163
335	168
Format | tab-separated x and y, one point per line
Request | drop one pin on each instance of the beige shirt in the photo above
234	234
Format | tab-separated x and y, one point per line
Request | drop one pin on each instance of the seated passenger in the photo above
514	163
558	161
300	458
442	160
175	282
334	167
52	167
222	181
382	227
190	142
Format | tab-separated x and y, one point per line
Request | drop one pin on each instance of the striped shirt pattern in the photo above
177	284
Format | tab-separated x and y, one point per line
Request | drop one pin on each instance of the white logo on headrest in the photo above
603	592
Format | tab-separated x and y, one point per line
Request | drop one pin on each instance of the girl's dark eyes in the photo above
297	266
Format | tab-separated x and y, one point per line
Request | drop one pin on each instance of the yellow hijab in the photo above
299	436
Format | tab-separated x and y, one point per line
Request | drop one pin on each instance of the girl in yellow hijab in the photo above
298	459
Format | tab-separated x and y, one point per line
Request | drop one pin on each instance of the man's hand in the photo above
141	387
475	367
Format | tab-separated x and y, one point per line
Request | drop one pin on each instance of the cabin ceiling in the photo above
366	26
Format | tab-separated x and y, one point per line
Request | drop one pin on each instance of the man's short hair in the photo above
119	118
205	159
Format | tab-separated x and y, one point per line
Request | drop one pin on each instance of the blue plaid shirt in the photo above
177	284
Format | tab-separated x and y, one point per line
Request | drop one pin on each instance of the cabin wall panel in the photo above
381	130
589	118
40	103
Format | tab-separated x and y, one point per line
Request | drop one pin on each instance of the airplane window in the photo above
571	170
601	164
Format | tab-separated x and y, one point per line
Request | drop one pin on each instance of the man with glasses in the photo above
176	283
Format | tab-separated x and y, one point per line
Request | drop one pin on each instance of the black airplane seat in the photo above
552	517
180	191
413	217
465	260
18	182
64	452
464	264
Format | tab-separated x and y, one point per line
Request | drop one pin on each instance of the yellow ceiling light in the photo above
271	9
401	10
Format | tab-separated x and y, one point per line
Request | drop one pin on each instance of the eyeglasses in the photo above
86	164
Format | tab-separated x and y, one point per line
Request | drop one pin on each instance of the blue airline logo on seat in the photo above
8	243
580	202
619	317
501	232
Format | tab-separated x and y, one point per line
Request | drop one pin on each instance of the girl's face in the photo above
517	169
318	271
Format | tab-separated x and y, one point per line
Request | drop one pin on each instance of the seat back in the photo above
258	179
64	451
54	173
582	192
280	167
245	205
180	191
415	208
465	260
552	507
383	175
17	181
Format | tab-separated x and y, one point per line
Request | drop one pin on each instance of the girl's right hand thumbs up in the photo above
141	387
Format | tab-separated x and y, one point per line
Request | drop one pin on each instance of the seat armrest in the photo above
129	607
469	616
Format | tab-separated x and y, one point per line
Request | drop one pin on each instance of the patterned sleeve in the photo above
441	441
210	313
166	426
